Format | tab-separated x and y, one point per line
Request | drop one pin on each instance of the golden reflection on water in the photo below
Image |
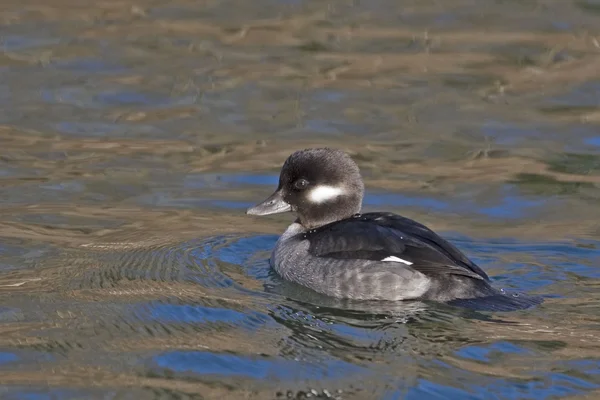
134	133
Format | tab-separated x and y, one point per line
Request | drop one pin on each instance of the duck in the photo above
336	250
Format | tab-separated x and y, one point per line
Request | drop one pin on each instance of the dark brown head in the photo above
319	185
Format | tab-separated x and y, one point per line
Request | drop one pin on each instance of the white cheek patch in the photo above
321	194
396	259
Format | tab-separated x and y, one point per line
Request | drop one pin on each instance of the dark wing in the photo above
376	236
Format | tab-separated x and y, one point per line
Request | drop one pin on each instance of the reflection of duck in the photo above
336	251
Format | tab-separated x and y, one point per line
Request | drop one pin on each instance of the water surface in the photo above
134	135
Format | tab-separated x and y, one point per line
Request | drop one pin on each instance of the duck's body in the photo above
377	256
334	250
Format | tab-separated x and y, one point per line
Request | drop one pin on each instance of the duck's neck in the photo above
326	213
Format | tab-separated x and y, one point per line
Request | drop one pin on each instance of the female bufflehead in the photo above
334	250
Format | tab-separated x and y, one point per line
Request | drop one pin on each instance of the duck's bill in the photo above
274	204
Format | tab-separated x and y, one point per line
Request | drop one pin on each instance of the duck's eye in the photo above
301	184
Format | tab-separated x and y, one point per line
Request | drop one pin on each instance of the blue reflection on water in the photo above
207	363
542	386
6	357
392	199
595	141
483	353
197	314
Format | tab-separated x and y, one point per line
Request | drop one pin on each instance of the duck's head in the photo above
319	185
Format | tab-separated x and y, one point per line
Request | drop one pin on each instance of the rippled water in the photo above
134	134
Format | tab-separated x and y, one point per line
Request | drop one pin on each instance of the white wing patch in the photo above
323	193
396	259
